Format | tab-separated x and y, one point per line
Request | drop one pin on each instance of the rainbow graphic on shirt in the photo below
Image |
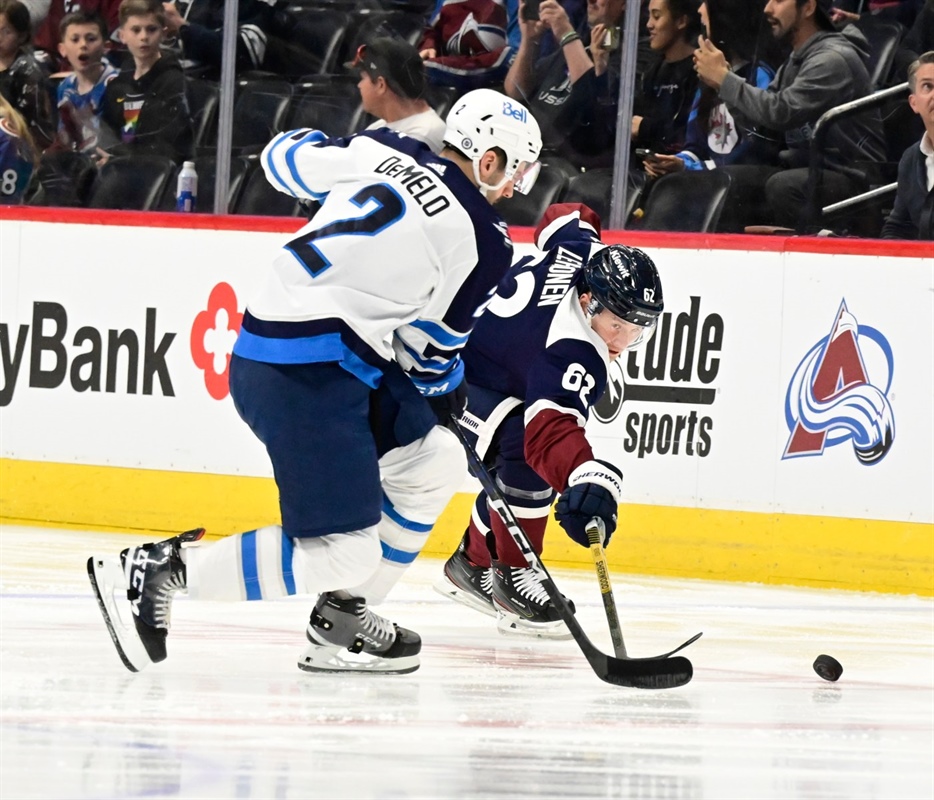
131	111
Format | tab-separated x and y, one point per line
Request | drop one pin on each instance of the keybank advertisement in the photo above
775	382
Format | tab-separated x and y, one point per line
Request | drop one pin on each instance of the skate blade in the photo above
331	658
510	625
452	591
107	578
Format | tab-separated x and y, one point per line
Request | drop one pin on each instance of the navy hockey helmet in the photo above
625	281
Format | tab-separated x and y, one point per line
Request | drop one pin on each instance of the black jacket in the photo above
150	115
913	214
202	38
664	103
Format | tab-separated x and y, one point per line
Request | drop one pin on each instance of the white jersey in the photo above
399	261
427	127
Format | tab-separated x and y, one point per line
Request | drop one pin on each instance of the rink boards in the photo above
778	428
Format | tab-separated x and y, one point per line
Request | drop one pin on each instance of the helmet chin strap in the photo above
485	188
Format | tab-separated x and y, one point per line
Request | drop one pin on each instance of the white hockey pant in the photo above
418	482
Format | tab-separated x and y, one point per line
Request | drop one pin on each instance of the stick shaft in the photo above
595	537
662	672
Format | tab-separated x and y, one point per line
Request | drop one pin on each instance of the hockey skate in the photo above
345	636
149	576
523	606
467	583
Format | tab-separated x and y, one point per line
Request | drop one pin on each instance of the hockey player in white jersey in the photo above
536	364
345	363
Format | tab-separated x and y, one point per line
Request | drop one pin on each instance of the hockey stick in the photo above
595	533
660	672
595	536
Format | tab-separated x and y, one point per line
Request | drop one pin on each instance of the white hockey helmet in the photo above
484	119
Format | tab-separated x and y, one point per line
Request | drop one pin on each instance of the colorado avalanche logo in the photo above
833	398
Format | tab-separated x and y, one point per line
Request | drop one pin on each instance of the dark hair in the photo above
691	10
924	58
82	17
17	14
141	8
738	28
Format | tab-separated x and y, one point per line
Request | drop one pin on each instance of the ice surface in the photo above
229	715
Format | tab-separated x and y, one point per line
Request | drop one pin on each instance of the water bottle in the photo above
187	194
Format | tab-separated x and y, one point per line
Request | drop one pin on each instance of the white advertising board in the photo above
781	382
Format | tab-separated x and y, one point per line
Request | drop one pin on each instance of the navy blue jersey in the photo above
534	343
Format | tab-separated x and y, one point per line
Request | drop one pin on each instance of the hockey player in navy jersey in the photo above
535	365
345	362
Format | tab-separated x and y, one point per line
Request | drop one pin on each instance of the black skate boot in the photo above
346	636
151	575
523	606
467	583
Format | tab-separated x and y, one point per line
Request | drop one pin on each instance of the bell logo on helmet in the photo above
486	120
519	113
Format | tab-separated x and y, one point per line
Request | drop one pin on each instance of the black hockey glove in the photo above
595	489
444	405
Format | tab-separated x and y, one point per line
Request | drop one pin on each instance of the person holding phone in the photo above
716	136
572	92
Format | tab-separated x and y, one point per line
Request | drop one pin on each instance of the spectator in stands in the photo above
662	105
23	81
716	137
198	25
913	214
80	97
145	104
18	154
902	11
47	34
825	69
574	130
577	13
468	44
392	88
920	38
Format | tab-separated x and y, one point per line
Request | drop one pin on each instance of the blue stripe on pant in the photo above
249	566
249	561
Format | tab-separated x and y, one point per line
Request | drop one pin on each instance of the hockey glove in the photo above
595	489
444	405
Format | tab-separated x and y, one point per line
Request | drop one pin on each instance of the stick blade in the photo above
646	673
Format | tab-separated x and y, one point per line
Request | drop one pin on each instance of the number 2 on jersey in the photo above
387	207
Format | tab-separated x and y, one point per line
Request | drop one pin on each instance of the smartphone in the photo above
643	153
611	39
530	10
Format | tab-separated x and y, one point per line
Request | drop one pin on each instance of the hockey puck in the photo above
828	667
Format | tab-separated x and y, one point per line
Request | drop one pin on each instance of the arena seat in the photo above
686	201
136	182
